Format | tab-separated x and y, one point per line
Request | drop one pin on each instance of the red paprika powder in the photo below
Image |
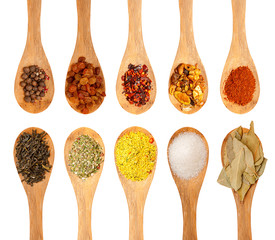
240	86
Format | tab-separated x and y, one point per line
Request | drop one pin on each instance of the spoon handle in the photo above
239	8
186	25
135	38
244	220
189	209
136	209
84	19
34	13
84	218
36	228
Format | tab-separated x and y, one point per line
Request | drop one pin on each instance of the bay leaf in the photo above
262	168
229	151
238	167
243	190
223	179
250	178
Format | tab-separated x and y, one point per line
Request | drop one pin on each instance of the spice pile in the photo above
135	155
137	85
240	86
33	83
32	154
85	157
187	155
187	86
243	161
85	87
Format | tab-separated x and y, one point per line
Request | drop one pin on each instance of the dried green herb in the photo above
85	157
244	161
32	154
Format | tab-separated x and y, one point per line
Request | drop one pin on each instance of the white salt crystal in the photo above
187	155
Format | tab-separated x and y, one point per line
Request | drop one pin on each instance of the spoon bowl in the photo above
84	47
187	52
135	54
34	55
136	193
84	189
239	55
35	193
189	190
243	207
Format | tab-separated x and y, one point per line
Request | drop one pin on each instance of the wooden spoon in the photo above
243	207
135	54
136	193
239	55
187	52
34	55
84	189
189	190
84	46
36	193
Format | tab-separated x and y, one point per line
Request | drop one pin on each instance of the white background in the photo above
216	215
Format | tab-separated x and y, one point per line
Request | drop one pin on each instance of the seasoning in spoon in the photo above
32	157
240	86
34	83
137	85
187	155
85	86
243	161
85	157
187	85
135	155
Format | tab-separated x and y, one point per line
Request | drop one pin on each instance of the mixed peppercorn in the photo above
187	85
137	85
33	83
85	87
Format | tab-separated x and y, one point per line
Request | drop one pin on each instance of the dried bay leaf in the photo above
238	167
262	168
250	178
224	179
229	151
243	190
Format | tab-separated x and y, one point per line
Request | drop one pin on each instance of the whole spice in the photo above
85	87
135	155
187	86
137	85
34	83
243	161
187	155
85	157
32	154
240	86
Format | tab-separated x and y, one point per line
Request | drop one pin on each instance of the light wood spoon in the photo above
243	207
239	55
189	190
84	189
187	52
36	192
135	54
34	55
136	193
84	47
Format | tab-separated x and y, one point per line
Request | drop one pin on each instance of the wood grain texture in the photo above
189	190
36	193
187	51
243	207
84	46
84	189
239	55
136	193
34	55
135	54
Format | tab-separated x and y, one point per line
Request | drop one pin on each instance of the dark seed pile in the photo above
33	83
32	154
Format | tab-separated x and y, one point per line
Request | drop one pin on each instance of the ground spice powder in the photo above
240	86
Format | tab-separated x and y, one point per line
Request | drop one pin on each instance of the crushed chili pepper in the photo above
137	85
240	86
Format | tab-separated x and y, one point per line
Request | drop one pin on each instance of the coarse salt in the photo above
187	155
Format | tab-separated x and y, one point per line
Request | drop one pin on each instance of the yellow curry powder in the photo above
135	155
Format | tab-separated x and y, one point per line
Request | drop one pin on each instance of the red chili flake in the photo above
47	77
151	140
136	85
